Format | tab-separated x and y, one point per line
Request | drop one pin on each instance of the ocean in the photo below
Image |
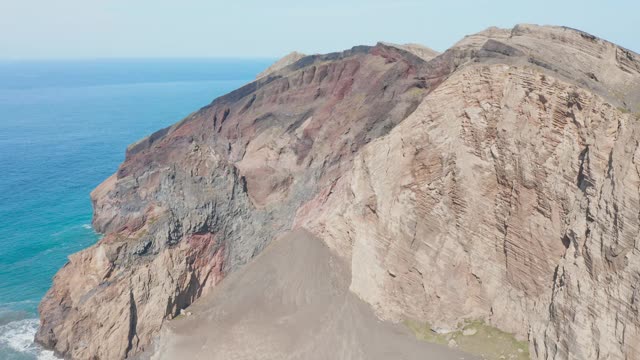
64	127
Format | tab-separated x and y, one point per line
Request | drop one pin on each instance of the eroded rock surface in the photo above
496	181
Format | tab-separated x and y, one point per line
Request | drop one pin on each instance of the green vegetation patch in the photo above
475	337
624	110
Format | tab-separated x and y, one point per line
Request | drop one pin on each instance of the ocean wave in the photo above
18	336
87	226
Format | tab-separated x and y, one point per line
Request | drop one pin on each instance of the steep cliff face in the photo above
495	181
196	200
516	202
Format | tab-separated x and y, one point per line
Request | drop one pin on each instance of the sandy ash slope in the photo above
291	302
494	184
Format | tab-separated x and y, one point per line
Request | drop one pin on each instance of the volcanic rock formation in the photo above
496	181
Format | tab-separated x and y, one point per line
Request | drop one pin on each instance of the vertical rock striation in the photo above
498	180
510	195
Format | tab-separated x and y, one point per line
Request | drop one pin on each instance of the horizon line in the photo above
133	58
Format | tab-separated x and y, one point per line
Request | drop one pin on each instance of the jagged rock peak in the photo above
419	50
281	63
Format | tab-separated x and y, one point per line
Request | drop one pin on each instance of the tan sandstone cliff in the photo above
498	181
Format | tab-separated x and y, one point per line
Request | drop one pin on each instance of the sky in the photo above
71	29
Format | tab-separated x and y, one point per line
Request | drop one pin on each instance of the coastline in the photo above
65	130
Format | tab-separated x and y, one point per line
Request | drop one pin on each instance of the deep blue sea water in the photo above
64	126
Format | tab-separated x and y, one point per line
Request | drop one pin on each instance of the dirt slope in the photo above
291	302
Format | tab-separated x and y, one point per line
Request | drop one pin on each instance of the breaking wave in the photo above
16	341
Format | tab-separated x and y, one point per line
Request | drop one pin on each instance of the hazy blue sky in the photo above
270	28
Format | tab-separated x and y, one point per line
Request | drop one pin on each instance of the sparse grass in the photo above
152	220
423	332
487	341
139	235
415	92
625	110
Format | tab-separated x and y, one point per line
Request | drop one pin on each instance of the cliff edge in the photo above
497	181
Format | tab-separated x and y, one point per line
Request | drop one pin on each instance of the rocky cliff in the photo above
496	181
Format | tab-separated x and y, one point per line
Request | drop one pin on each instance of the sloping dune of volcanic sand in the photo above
292	302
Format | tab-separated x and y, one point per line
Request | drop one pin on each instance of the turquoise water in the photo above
64	126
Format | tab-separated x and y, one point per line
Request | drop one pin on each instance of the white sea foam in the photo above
87	226
18	336
46	355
